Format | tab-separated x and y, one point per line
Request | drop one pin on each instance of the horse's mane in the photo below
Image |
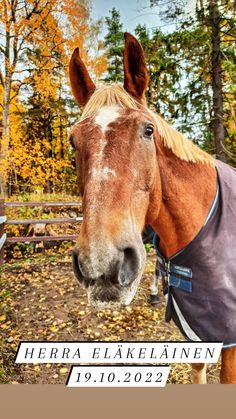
115	94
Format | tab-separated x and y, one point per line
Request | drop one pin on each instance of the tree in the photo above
209	51
216	68
39	37
114	42
19	21
160	54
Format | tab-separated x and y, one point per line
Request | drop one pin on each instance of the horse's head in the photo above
117	172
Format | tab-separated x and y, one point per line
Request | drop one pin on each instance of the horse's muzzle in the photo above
121	271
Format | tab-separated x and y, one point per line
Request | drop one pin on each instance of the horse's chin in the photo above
112	297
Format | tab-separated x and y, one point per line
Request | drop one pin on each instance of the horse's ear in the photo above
81	83
135	70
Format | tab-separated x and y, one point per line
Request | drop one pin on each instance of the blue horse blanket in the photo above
199	282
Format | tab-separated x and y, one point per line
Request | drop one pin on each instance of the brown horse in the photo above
134	169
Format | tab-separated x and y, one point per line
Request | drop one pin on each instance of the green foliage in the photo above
148	247
181	73
114	42
163	72
177	88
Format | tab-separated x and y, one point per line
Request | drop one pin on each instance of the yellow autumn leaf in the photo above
5	326
155	315
54	329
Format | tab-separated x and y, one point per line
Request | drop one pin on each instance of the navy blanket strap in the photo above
199	281
176	276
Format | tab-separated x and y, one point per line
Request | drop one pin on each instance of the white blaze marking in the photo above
100	173
103	173
106	115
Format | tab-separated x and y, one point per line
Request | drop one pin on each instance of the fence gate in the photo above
4	221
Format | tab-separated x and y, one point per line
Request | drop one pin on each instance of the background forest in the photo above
192	70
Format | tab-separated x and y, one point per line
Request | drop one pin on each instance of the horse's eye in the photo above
148	131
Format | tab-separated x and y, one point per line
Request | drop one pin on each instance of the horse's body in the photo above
134	169
202	276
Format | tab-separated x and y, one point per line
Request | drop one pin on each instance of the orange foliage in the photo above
45	32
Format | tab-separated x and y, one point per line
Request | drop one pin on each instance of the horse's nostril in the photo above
130	257
129	267
122	279
92	282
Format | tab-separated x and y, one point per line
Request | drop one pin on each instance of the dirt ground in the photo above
41	300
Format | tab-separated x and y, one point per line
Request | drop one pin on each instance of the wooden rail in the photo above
45	221
43	204
25	239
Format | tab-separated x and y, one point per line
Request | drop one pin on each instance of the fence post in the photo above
2	230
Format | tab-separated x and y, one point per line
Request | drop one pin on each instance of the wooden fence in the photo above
4	240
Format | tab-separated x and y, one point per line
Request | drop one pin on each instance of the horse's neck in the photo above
188	191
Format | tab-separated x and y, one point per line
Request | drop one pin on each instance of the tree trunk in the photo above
218	122
5	136
7	80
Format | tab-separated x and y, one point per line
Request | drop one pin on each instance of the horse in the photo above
134	169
